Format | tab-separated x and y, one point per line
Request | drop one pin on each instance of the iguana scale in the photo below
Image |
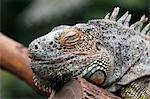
107	52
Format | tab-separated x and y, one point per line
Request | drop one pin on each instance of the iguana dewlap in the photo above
107	52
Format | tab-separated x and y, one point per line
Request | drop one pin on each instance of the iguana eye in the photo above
70	38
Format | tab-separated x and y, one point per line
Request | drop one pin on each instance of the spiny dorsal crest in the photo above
125	20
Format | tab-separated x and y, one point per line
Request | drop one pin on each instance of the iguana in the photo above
107	52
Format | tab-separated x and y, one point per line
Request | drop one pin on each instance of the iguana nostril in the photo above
36	46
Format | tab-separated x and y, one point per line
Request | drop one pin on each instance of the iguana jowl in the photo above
107	52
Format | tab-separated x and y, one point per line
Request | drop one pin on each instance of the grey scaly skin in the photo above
107	52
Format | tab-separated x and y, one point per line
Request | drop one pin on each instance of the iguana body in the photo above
106	52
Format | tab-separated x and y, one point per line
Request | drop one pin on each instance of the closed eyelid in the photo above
70	37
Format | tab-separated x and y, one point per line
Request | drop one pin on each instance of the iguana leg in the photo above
139	89
137	79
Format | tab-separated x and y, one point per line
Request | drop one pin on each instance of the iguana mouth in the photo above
57	59
53	60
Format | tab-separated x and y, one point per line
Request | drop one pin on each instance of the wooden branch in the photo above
14	59
82	89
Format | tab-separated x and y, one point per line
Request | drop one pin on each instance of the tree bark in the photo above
14	59
82	89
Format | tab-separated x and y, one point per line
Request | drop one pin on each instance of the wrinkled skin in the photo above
106	52
68	51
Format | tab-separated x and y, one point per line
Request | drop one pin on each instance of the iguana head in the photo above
103	51
69	51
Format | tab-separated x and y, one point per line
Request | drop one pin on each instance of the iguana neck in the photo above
117	39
